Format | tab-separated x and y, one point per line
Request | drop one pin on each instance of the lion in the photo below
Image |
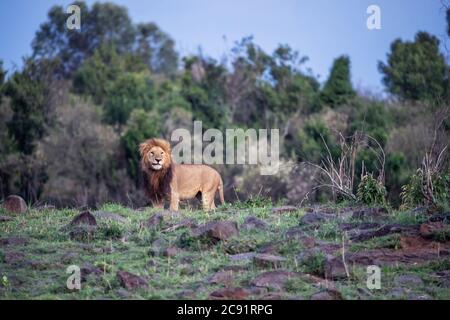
166	180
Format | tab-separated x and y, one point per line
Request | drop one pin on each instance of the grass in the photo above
127	246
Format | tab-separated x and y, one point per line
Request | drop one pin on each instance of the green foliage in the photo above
416	70
130	91
142	125
103	23
371	192
417	192
312	139
254	202
29	91
338	88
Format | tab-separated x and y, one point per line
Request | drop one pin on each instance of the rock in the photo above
82	233
157	247
242	256
435	230
171	251
154	221
408	281
14	241
257	291
370	213
284	209
273	279
335	269
187	270
222	277
103	215
229	294
236	268
12	257
217	230
264	260
364	235
5	218
84	218
88	269
185	223
252	222
131	281
270	247
327	294
314	218
443	277
68	257
122	293
15	204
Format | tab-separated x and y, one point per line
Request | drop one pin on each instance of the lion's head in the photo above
155	154
156	163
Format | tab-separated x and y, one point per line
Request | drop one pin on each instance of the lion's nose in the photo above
158	160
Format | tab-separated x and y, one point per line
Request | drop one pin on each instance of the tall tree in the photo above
338	88
2	79
416	70
103	23
30	93
156	48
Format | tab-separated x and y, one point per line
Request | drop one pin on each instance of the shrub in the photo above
416	192
371	191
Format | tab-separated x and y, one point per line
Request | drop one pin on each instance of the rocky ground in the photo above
238	252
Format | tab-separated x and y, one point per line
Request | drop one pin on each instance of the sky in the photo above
319	29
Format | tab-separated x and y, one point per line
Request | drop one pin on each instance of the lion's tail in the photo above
222	200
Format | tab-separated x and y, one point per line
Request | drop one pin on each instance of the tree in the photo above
142	125
130	91
102	23
2	79
448	22
156	49
338	88
30	93
416	70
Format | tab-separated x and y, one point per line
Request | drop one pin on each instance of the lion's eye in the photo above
152	153
162	153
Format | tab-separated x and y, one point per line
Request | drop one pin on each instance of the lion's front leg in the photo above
174	196
174	201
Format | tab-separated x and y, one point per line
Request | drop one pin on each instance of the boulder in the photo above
252	222
217	230
229	294
265	260
273	279
131	281
15	204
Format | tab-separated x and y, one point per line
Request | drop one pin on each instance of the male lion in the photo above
166	180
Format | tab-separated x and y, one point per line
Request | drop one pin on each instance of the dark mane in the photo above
158	183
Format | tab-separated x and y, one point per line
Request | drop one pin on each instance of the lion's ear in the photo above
166	146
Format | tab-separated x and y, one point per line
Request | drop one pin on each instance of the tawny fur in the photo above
166	180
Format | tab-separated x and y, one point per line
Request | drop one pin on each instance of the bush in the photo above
371	191
415	192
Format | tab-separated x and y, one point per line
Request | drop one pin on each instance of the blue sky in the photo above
320	29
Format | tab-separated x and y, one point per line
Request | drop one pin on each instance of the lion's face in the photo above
155	154
157	158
